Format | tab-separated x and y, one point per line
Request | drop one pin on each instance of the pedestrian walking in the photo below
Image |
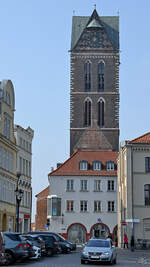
132	243
125	241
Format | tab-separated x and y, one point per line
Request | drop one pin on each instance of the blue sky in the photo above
34	44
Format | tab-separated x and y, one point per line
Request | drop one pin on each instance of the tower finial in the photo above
95	6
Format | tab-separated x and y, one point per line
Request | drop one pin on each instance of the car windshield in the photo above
14	237
98	243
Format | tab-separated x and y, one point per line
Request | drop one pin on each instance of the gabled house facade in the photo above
41	209
8	157
134	190
83	200
24	139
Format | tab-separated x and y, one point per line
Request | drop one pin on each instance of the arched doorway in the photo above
99	230
77	233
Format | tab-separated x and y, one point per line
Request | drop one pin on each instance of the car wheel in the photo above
68	250
115	261
82	261
49	252
111	262
9	258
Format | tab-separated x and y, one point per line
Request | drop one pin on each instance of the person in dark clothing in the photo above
132	243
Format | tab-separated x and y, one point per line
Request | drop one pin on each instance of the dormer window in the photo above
83	165
96	165
110	166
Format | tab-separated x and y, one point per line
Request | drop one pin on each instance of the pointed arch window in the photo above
87	113
101	77
101	113
87	76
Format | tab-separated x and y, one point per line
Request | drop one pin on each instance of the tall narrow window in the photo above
147	164
87	113
87	76
101	77
147	194
101	113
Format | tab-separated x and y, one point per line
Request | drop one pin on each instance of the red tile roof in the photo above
142	139
71	165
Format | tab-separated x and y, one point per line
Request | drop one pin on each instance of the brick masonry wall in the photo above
41	209
110	96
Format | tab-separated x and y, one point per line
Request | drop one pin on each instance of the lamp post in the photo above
62	218
19	195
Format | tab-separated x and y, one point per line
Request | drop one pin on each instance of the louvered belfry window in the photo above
101	113
101	77
87	76
87	113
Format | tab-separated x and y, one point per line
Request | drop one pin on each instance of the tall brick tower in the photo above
94	92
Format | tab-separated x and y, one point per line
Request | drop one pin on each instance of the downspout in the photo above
132	232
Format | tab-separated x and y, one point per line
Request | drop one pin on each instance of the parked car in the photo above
99	250
65	245
2	250
36	241
15	248
30	248
51	244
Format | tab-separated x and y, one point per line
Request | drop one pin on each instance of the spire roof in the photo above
110	24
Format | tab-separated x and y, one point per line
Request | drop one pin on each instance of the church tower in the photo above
94	85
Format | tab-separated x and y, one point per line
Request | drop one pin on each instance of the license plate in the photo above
94	257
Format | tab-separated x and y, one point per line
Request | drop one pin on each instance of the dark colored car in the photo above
2	250
99	250
15	248
65	245
36	241
51	244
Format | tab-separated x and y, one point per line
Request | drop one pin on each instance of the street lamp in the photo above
19	195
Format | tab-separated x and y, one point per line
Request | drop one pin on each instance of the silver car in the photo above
99	250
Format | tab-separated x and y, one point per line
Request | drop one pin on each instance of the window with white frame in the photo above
70	205
110	185
83	205
111	206
110	166
97	185
70	185
96	165
83	165
97	206
83	185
